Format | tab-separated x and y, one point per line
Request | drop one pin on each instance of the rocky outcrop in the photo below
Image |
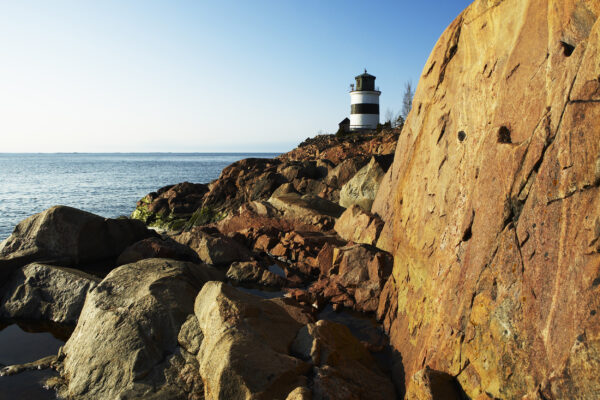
254	348
170	207
492	204
317	168
66	236
46	293
125	344
337	149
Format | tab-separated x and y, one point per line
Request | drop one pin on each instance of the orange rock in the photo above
358	226
491	205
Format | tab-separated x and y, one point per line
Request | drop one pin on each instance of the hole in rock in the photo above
445	386
567	48
468	234
504	135
462	135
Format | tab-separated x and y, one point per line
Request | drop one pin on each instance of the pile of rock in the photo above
315	181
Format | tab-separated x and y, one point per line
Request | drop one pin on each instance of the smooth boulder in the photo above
70	237
45	293
125	344
213	248
253	272
155	247
362	188
305	207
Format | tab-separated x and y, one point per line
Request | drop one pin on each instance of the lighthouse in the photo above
364	103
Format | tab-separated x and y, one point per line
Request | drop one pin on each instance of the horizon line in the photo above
141	152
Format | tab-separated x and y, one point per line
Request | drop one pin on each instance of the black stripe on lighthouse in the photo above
364	109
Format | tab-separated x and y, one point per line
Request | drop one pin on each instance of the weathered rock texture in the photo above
125	344
363	186
246	346
67	236
493	204
155	247
359	226
215	248
44	292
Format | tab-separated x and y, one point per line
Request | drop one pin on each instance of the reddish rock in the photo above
265	242
279	250
336	149
325	259
300	295
355	278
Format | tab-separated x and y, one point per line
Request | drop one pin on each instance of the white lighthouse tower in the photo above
364	103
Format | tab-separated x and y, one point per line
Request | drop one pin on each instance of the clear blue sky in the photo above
200	75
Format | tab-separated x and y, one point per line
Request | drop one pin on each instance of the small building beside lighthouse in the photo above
364	103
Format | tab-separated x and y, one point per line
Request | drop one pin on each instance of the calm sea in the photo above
104	184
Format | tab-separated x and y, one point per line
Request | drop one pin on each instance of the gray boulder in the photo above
363	186
125	344
305	207
45	292
345	170
67	236
214	249
253	272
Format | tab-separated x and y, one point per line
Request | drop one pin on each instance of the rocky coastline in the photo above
240	295
456	259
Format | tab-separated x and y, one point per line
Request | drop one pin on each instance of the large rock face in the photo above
126	340
493	204
68	236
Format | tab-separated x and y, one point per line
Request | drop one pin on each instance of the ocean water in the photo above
105	184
